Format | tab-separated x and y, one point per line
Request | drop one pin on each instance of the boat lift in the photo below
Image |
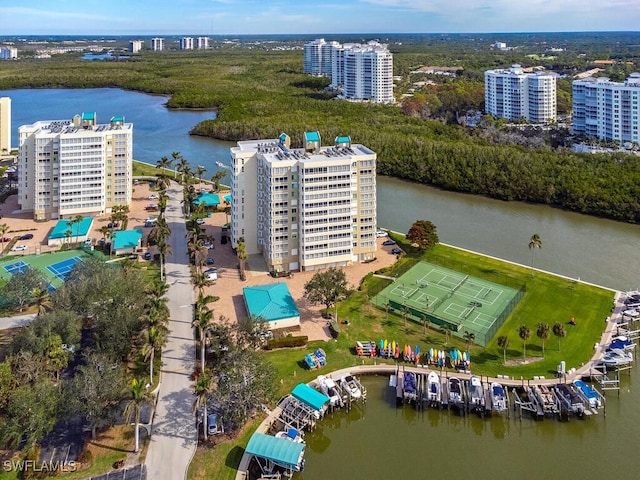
524	400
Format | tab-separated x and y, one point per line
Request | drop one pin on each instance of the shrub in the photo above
287	342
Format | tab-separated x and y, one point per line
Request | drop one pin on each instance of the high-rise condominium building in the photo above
186	43
304	208
363	72
135	46
74	167
607	110
513	94
5	125
8	53
157	44
203	43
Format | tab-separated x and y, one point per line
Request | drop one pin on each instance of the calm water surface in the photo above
380	440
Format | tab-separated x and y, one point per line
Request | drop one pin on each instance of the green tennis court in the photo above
451	298
54	267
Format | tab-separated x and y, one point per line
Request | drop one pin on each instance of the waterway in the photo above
380	440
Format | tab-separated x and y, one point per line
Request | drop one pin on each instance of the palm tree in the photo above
241	251
524	333
503	342
4	228
200	281
182	166
42	298
446	329
153	339
220	174
543	332
67	235
559	331
139	395
176	158
405	312
201	320
469	338
202	389
164	249
77	219
163	164
534	242
105	231
199	172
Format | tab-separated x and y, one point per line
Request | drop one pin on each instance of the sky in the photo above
239	17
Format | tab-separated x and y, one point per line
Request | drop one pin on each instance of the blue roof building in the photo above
273	303
79	231
126	241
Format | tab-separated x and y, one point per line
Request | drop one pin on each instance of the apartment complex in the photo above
157	44
513	94
186	43
74	167
203	43
135	46
8	53
607	110
304	208
361	72
5	125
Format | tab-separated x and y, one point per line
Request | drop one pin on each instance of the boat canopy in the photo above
309	396
278	450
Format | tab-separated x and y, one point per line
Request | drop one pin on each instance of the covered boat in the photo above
588	393
498	397
434	387
272	452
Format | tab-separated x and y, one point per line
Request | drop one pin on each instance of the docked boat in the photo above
621	342
476	392
589	394
546	399
331	390
570	398
617	358
498	397
351	386
291	434
434	388
455	391
276	456
409	386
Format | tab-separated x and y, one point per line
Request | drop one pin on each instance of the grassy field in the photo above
548	299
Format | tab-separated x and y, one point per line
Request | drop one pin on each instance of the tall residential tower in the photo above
5	125
304	208
74	167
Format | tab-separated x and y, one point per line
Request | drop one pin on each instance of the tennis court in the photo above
63	268
451	298
16	267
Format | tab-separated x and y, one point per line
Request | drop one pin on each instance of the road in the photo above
174	436
16	321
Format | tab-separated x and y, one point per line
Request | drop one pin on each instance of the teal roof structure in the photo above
126	239
77	229
207	199
343	140
279	450
310	396
119	119
88	116
311	136
271	302
227	198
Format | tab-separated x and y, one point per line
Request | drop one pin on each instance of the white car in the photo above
381	233
88	241
19	248
200	221
153	196
211	273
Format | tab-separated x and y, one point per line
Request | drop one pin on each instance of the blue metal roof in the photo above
343	140
309	396
77	229
271	302
89	116
278	450
126	239
311	136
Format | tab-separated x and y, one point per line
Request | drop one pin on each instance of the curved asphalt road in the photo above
174	436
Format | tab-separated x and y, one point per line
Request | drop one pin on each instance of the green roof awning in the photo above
279	450
310	396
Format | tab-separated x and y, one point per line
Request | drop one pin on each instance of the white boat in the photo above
476	392
351	386
291	434
434	387
330	389
621	342
617	358
588	393
498	397
455	390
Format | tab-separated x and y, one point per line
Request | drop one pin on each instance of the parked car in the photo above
397	251
112	225
208	245
26	236
147	255
381	233
153	196
200	221
213	428
19	248
152	207
88	241
101	242
5	239
209	261
211	273
388	242
223	239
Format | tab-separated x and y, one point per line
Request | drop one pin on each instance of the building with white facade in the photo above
157	44
607	110
361	72
135	46
186	43
203	43
74	167
304	208
8	53
5	125
513	95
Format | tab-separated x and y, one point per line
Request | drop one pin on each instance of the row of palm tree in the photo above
543	331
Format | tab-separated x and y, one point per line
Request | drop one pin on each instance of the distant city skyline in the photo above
241	17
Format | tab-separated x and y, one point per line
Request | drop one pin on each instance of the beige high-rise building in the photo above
74	167
304	208
5	125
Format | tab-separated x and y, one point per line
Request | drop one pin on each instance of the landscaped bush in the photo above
287	342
